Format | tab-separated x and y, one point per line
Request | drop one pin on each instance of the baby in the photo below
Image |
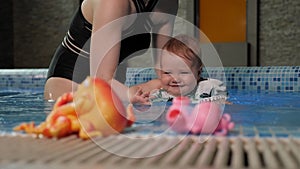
179	75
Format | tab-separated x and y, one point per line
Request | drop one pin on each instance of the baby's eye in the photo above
185	72
167	73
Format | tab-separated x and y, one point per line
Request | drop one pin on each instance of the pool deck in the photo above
183	152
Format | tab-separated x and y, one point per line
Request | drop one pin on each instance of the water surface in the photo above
254	113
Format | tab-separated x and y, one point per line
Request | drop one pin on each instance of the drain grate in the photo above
158	152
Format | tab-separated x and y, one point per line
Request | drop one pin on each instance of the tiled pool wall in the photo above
22	79
271	78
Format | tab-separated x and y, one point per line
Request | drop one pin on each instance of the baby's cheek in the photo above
164	83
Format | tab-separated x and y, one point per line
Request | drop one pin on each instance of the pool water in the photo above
21	106
263	114
266	113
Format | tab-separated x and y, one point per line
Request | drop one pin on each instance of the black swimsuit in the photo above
71	59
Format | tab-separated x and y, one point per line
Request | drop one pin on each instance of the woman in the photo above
101	35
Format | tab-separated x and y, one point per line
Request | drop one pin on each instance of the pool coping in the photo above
188	152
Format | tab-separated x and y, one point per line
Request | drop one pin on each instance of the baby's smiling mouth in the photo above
176	85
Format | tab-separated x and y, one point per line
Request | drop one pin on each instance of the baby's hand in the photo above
140	97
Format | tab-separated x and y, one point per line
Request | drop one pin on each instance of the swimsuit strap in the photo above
150	6
141	6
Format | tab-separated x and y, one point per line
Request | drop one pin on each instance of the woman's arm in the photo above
105	40
106	36
108	22
163	19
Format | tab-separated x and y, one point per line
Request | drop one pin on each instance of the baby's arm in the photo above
140	97
140	93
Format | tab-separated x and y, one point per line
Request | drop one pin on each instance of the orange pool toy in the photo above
93	110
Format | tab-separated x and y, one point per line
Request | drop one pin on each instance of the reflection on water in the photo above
254	113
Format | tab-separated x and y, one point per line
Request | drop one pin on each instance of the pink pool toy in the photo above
176	115
205	117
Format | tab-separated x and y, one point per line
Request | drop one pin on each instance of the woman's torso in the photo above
81	28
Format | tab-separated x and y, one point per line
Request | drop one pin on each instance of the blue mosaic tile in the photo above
271	78
25	79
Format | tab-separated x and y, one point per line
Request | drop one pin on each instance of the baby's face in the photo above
178	76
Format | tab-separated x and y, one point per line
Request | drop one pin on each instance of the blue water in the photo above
22	106
263	114
266	113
